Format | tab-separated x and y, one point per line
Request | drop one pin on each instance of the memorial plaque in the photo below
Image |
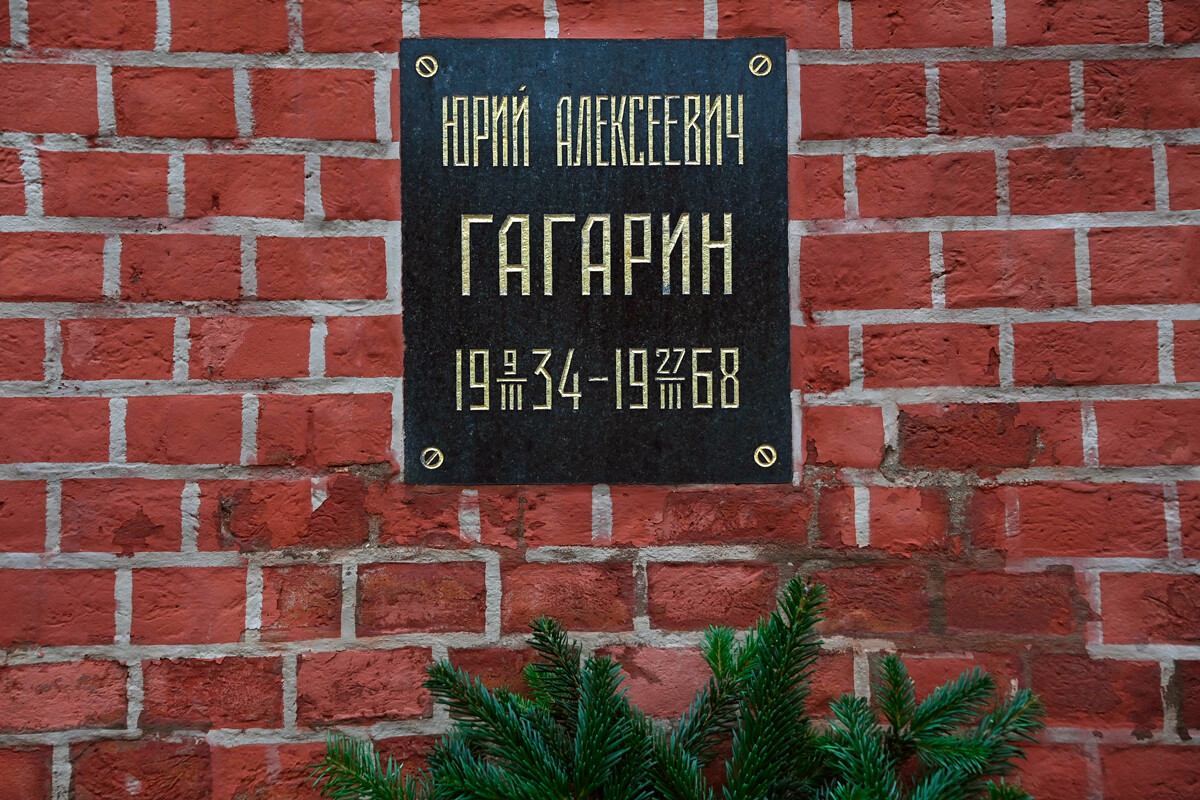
595	261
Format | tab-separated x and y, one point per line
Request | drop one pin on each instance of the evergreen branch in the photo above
556	678
603	730
896	693
353	770
713	712
952	705
857	752
1007	791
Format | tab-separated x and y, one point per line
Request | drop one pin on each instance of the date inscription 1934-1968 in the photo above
594	247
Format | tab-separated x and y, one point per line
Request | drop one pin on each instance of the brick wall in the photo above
206	554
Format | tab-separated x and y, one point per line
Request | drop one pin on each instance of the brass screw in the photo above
427	66
765	455
432	458
760	64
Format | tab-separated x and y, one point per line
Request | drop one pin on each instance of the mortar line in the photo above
316	347
1007	353
295	26
106	115
1162	178
249	454
181	349
176	198
54	495
254	602
933	101
349	601
60	765
798	451
470	526
116	430
1003	198
398	426
243	103
850	186
383	105
1083	269
410	18
162	26
493	582
290	690
1166	673
857	372
602	514
52	365
18	23
1173	519
314	208
31	174
937	271
862	516
1155	11
1078	118
845	25
135	693
795	117
111	280
123	605
1166	351
189	512
999	24
1091	435
550	12
249	267
710	19
795	296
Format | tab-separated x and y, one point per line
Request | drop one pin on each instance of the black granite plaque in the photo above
595	261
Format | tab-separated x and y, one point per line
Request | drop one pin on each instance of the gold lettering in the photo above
725	246
479	121
601	124
681	232
729	124
500	130
712	109
583	131
730	388
605	265
564	144
548	221
507	268
668	121
697	375
467	221
458	394
520	128
643	382
691	130
541	370
480	380
651	122
637	158
618	130
630	258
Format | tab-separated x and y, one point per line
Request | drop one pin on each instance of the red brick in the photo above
107	770
861	100
303	602
360	188
188	605
62	696
1140	608
922	23
199	694
42	422
558	515
496	667
906	520
835	517
833	677
246	185
929	671
263	515
1187	679
1038	22
265	772
1081	691
843	436
990	435
5	27
875	599
1189	510
12	183
92	24
416	598
1056	770
424	516
1004	98
1011	269
47	608
184	430
806	23
1187	351
22	349
693	596
831	271
363	686
45	267
342	268
49	98
583	597
22	516
815	188
653	516
1183	169
1128	94
661	681
1038	603
367	347
108	349
176	102
331	26
97	184
1181	21
1071	179
314	103
673	19
1149	433
931	355
1164	772
1085	353
242	348
229	26
25	771
157	268
1089	520
1144	265
500	18
951	184
820	358
121	515
325	430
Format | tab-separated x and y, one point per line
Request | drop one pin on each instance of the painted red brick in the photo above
334	268
314	103
1030	604
833	677
1056	770
188	605
1183	177
832	269
1078	690
184	430
815	187
1141	608
1011	269
47	608
25	771
1129	94
355	686
5	27
675	19
333	27
1070	179
198	694
1004	98
12	183
654	516
229	26
1085	353
951	184
847	102
1149	432
820	358
107	349
22	349
496	667
176	102
22	516
42	421
246	185
265	772
559	515
500	18
303	602
806	23
367	347
929	671
1187	677
1181	21
61	696
45	267
49	98
428	516
1187	351
990	436
1037	22
324	430
121	515
1163	772
583	597
414	598
835	517
1089	520
906	519
360	188
96	184
180	267
875	599
662	681
922	23
242	348
105	770
92	24
843	436
1144	265
693	596
261	514
931	355
1189	510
